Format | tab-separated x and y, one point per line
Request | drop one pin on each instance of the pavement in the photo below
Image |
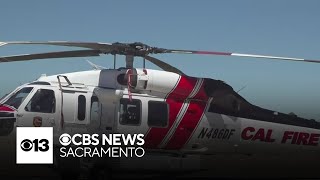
292	166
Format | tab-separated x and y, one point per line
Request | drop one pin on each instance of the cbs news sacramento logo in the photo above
34	145
105	145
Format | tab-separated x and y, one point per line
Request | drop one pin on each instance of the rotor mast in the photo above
129	61
132	50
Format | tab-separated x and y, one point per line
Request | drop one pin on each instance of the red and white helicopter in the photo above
176	112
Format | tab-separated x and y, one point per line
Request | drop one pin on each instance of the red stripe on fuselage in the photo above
175	100
190	121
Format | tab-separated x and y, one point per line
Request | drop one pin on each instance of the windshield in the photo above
18	97
3	97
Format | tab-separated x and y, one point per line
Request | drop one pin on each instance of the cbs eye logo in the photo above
34	145
65	139
37	145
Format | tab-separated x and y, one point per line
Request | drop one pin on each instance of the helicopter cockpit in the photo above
41	104
18	97
9	105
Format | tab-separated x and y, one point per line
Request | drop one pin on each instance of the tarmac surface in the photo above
227	166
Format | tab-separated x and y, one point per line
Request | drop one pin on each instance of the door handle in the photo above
19	115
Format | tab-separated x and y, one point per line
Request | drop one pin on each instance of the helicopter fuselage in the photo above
176	113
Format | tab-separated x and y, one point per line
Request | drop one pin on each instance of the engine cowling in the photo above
152	80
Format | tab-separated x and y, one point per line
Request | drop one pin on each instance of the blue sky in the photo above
280	28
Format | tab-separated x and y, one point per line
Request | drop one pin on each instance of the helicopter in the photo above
176	113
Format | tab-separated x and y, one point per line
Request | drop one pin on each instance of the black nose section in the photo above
6	115
6	123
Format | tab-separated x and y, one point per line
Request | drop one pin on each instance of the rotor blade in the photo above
61	54
239	55
163	65
90	45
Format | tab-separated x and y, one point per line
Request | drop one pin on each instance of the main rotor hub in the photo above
134	49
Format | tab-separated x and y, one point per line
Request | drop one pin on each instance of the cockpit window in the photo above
43	101
16	100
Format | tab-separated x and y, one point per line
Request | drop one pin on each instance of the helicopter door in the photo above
104	110
39	109
132	115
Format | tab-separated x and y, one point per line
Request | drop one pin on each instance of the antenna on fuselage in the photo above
94	66
241	88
